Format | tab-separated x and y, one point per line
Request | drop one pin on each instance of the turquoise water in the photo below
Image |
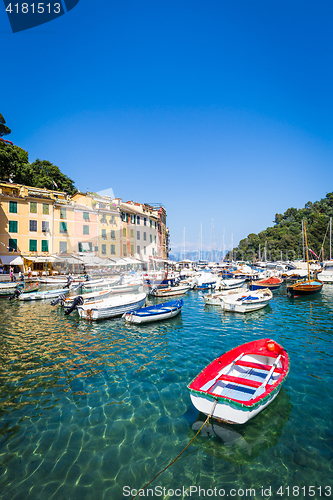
94	410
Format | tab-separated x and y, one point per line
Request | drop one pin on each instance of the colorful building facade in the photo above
38	222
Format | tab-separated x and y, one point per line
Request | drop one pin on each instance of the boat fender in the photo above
15	295
56	301
78	301
271	346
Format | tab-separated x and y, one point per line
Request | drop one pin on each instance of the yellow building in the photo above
26	221
37	222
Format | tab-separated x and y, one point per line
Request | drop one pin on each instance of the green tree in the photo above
4	130
43	174
12	160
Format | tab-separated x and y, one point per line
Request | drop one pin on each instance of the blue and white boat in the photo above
156	312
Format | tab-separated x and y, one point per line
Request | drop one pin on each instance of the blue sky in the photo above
220	110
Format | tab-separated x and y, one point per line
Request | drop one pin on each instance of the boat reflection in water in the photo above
240	444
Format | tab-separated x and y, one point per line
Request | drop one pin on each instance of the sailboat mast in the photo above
303	239
307	253
330	238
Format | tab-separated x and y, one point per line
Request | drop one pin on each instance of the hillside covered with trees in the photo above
15	167
284	239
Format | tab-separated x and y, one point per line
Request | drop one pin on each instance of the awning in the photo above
13	260
46	258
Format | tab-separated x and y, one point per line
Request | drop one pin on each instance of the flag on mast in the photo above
313	253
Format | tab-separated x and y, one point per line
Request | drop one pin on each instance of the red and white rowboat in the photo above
242	381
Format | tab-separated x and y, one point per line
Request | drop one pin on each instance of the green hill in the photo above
284	238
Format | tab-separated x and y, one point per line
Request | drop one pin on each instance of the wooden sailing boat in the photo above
305	287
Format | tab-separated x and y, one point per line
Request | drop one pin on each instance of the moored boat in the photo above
171	291
308	286
113	306
8	285
87	297
248	301
242	381
272	283
305	287
42	295
214	299
326	275
156	312
228	284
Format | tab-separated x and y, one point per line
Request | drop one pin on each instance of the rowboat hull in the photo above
242	382
149	314
112	307
227	413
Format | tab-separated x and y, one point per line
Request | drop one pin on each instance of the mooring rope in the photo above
173	461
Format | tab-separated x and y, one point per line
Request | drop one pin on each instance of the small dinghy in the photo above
171	291
246	301
157	312
241	382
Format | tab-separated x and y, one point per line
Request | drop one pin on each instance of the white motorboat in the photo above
8	286
248	301
42	295
228	284
171	291
214	299
115	305
326	275
87	297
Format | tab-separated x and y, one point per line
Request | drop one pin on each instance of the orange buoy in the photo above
271	346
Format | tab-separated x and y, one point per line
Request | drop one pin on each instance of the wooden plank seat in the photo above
258	366
240	380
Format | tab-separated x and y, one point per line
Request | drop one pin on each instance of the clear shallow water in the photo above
89	408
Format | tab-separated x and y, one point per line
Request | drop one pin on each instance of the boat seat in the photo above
258	366
240	380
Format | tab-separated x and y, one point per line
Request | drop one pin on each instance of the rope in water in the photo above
173	461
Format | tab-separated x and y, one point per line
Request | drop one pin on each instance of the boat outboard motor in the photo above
153	289
15	295
78	301
56	301
87	277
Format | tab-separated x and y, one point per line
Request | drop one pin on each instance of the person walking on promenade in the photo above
11	274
